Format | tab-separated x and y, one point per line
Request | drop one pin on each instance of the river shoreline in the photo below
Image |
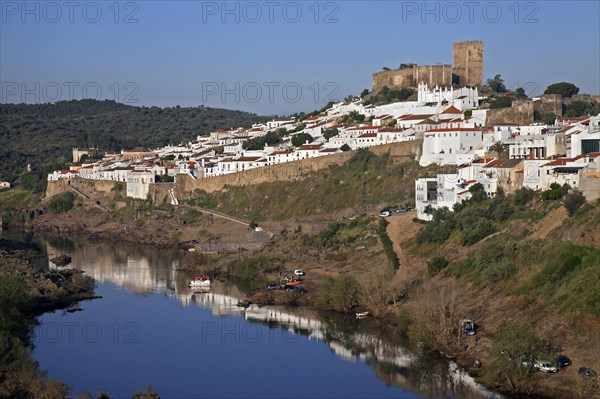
164	238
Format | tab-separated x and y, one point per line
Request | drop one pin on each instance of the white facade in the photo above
138	184
450	146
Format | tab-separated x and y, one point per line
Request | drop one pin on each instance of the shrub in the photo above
61	203
482	229
436	265
388	246
574	201
501	271
555	192
339	293
523	196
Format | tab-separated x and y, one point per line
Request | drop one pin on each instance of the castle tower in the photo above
467	68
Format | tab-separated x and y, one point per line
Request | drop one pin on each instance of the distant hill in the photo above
43	134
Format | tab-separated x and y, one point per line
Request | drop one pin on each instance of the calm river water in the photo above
149	328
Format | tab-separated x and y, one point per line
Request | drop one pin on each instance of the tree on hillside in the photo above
478	193
301	139
330	133
573	201
345	148
581	108
496	84
520	94
563	88
364	93
501	102
386	68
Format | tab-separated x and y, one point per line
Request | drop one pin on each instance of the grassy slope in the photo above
366	180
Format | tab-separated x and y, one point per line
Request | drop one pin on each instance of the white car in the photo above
299	272
385	213
545	366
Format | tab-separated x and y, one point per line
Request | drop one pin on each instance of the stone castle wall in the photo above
468	63
549	103
521	113
288	171
94	189
467	70
101	190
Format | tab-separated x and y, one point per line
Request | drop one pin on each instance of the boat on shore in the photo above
200	282
362	315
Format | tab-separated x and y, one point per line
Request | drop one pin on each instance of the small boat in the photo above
273	286
362	315
293	282
200	282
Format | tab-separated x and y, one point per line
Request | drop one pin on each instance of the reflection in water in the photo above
143	270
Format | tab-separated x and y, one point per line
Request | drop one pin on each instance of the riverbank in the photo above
26	292
348	271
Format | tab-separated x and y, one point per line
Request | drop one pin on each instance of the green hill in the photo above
43	134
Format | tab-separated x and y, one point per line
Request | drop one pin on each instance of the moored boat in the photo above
200	282
362	315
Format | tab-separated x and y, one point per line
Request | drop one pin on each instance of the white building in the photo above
450	146
138	183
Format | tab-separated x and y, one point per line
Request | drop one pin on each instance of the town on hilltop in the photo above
451	125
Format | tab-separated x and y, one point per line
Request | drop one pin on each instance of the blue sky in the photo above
273	57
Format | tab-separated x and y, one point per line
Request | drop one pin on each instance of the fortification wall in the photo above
296	170
520	113
94	189
391	79
549	103
440	75
468	63
101	190
589	184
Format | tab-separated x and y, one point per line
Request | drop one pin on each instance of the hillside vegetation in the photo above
364	181
43	134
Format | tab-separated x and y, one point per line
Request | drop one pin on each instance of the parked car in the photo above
468	326
385	212
299	272
562	361
587	372
545	366
527	361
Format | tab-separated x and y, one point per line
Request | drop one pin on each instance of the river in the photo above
150	329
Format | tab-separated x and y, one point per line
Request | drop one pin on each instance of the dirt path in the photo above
550	222
401	228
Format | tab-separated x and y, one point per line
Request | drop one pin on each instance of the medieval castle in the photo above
467	70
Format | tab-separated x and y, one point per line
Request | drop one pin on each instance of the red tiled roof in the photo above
493	163
410	117
367	135
309	147
248	159
452	110
364	128
454	129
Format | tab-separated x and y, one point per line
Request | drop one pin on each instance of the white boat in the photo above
362	315
200	282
